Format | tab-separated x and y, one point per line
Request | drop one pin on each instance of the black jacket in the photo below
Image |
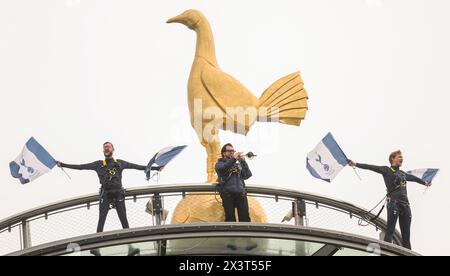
232	175
108	171
395	180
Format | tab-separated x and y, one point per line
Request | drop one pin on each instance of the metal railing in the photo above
78	216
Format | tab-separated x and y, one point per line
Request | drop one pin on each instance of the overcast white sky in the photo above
77	73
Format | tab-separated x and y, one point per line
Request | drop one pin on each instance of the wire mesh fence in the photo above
338	220
10	241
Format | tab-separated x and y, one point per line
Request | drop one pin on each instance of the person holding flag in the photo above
398	206
112	194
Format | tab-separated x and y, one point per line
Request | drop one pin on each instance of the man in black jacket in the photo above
112	194
233	170
398	207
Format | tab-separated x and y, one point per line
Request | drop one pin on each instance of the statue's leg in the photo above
212	160
205	144
213	150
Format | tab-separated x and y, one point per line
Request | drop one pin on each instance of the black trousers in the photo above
398	211
233	201
114	199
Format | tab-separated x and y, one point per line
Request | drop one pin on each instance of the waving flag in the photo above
327	160
163	157
426	175
33	162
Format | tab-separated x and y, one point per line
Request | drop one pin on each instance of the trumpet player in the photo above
233	170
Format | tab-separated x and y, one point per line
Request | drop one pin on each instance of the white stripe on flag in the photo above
324	163
426	175
30	166
164	151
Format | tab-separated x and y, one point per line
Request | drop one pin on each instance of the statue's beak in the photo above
176	19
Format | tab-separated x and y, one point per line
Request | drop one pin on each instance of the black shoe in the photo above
133	251
96	252
232	246
251	246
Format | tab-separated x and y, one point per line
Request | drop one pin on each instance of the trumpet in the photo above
250	155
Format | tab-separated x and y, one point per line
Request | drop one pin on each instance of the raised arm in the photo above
130	166
224	167
413	178
90	166
377	169
245	173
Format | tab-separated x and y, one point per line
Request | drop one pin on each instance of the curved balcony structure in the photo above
319	226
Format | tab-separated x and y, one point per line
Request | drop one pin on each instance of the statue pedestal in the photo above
205	208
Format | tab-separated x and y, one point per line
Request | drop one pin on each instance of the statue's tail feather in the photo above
285	101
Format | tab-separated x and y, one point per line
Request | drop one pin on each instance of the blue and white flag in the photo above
326	160
163	157
426	175
33	162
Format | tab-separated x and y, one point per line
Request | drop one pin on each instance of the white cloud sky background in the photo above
77	73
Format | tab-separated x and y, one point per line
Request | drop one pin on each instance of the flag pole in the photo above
64	171
357	174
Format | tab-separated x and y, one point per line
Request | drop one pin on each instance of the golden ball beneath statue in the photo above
208	208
